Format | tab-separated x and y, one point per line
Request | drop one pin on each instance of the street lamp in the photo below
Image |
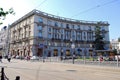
49	49
85	51
43	45
73	55
92	54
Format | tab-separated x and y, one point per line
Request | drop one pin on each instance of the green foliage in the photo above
115	51
99	43
3	14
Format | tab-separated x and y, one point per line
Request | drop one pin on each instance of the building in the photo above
115	45
4	45
42	34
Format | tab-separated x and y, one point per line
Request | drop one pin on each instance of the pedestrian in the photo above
9	58
28	58
0	58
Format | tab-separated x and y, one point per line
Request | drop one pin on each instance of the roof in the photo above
37	12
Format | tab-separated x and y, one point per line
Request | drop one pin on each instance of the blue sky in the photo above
89	10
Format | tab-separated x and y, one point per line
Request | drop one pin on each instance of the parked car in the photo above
34	58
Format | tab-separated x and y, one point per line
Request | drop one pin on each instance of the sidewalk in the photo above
29	70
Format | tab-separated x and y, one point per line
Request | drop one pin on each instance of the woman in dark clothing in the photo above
0	58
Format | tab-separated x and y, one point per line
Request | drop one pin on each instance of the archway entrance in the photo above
68	53
90	53
55	53
40	52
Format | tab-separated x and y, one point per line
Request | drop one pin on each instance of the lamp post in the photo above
73	55
85	51
49	52
43	51
91	53
49	49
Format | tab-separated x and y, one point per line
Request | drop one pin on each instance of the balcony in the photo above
13	42
56	39
25	38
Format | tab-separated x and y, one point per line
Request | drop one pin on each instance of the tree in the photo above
115	51
3	14
119	39
99	43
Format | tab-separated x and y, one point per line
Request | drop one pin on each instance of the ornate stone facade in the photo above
41	34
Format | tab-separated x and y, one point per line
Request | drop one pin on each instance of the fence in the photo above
96	60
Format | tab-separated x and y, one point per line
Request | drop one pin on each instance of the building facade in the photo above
42	34
115	45
4	43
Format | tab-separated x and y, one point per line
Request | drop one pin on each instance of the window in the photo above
89	27
62	25
79	27
56	24
103	29
62	36
40	34
49	35
49	22
67	26
39	27
40	20
72	26
49	29
84	36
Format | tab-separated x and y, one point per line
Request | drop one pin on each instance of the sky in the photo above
89	10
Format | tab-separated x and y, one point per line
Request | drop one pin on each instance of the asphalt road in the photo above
29	70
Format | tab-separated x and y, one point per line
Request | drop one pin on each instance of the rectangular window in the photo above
49	22
49	29
61	25
40	20
79	27
56	24
40	34
49	35
72	26
39	27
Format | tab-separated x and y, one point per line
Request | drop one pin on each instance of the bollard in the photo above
17	78
2	74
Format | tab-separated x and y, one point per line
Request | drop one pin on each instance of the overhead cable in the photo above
104	4
40	4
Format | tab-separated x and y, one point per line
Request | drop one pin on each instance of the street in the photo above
35	70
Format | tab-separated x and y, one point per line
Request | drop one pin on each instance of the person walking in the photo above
0	58
9	58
